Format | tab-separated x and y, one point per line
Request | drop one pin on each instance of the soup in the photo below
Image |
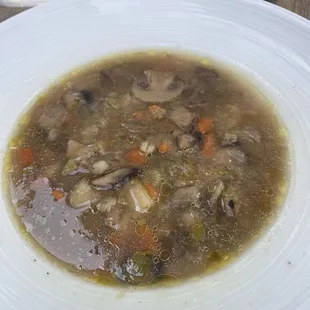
147	167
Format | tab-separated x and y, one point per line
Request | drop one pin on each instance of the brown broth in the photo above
181	211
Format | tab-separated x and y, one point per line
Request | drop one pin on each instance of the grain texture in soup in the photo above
146	167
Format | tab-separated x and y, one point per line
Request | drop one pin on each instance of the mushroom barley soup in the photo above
147	167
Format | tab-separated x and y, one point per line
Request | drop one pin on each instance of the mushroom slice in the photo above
228	208
161	87
114	179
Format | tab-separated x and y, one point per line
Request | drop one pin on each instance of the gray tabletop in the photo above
301	7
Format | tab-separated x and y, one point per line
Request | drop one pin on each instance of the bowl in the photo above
268	44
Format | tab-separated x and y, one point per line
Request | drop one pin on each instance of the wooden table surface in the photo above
301	7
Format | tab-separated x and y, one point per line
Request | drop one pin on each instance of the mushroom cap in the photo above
162	87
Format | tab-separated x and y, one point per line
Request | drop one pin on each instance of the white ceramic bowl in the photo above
270	45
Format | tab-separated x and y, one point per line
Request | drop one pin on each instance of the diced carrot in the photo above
117	239
140	228
209	146
147	241
154	194
140	115
154	108
26	156
134	156
204	125
144	239
164	147
58	194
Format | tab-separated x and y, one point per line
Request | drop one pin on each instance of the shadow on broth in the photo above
146	168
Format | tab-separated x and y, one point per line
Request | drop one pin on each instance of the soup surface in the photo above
146	167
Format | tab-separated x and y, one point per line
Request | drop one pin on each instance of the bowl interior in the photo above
46	42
